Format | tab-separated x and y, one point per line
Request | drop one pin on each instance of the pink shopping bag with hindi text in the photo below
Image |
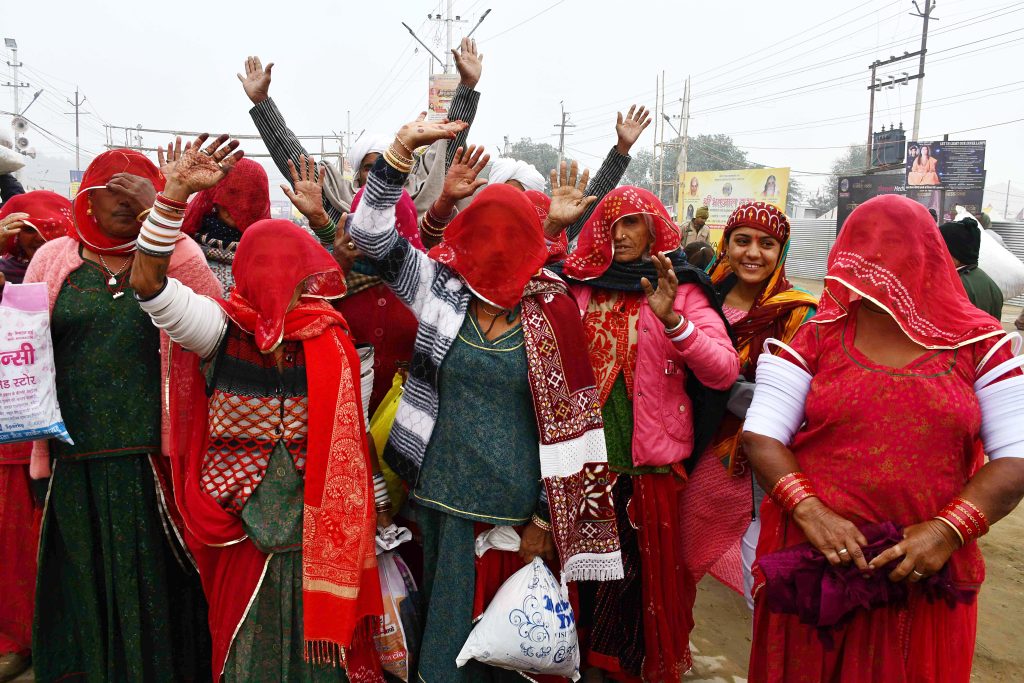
28	388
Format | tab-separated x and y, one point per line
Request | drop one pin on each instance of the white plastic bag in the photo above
10	161
393	644
28	388
1005	269
528	627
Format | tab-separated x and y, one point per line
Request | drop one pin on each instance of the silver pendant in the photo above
112	280
118	295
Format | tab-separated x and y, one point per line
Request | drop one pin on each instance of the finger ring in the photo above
207	152
917	574
844	551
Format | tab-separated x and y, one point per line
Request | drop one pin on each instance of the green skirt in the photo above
269	644
115	601
449	583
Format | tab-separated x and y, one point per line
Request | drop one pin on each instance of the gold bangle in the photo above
540	523
402	143
398	155
142	215
953	527
397	163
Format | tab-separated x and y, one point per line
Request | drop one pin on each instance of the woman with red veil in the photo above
868	564
269	456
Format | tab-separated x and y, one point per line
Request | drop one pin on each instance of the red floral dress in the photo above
871	463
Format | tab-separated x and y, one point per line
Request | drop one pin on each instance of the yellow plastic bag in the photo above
380	430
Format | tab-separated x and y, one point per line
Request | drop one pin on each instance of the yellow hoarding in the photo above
723	191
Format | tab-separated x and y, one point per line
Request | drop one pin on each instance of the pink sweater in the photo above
58	258
662	411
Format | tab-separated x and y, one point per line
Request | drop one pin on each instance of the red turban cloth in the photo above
273	258
97	175
244	193
891	252
595	246
48	213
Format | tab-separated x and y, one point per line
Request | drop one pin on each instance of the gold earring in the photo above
88	212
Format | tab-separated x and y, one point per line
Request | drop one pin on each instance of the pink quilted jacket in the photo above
662	411
58	258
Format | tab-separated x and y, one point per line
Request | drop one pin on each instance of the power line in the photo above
525	21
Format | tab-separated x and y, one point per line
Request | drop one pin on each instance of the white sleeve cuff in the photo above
777	409
687	331
194	321
366	380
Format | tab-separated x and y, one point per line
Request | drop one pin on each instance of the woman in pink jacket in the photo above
652	324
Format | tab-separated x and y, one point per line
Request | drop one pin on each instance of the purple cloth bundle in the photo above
800	581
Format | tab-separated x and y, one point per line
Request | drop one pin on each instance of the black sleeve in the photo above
604	181
9	187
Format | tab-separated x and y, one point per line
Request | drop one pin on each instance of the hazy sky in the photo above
786	79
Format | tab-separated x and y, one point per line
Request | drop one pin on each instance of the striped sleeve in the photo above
604	181
462	108
406	270
283	144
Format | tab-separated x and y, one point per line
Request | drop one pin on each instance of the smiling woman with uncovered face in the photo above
760	302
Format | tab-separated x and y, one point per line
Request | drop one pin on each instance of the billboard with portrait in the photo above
723	191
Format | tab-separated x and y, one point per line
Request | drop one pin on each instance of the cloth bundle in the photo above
800	580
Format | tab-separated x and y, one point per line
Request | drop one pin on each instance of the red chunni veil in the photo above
340	583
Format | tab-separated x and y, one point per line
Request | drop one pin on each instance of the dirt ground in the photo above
721	638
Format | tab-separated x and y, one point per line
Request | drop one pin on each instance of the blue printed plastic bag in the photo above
28	390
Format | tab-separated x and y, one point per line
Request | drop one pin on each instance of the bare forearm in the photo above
770	458
997	488
149	273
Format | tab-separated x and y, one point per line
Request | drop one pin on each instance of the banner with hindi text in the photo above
723	191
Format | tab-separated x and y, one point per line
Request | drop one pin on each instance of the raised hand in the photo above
663	297
568	198
192	168
469	62
256	80
308	195
629	127
461	181
422	132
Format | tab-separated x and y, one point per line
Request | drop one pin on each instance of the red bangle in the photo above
965	517
171	202
791	490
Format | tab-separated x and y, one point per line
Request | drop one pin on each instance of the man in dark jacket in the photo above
963	239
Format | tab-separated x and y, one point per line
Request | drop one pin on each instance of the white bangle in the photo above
675	328
160	239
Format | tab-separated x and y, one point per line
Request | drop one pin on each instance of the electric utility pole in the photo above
684	151
561	134
929	5
449	21
76	104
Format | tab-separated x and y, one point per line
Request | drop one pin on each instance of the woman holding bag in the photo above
895	328
489	317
